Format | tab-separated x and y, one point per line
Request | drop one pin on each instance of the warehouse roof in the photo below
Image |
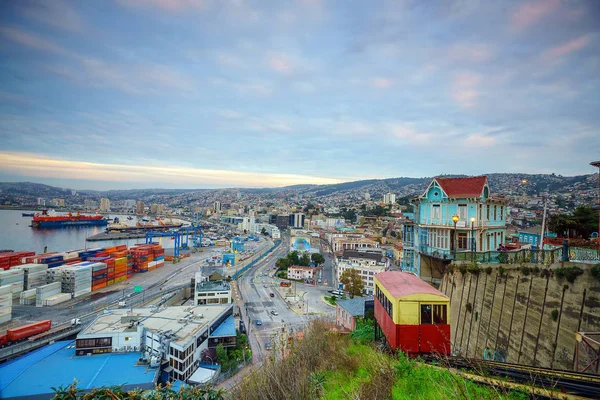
401	284
32	375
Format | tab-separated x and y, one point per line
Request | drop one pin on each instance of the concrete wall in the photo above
511	313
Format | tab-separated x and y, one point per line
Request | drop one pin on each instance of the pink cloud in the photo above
280	63
382	83
566	48
465	89
529	13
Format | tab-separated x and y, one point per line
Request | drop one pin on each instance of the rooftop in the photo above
54	365
355	306
371	254
401	284
227	328
463	187
212	286
166	319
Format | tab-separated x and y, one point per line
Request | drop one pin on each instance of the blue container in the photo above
48	260
55	264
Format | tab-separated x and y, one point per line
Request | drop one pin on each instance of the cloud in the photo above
470	53
480	140
166	5
531	12
56	13
40	166
32	41
465	89
566	48
280	63
382	83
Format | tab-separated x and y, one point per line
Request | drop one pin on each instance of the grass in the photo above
331	366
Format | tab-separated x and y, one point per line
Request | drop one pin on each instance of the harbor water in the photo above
16	234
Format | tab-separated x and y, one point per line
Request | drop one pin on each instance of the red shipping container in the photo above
25	331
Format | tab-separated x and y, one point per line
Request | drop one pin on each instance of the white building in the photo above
211	292
179	335
368	262
217	206
301	273
129	203
367	196
272	230
389	198
41	202
297	220
104	204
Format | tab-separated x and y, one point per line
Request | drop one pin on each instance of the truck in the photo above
285	284
20	333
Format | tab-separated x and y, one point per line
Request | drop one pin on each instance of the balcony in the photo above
461	225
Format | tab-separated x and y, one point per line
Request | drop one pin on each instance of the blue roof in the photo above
227	328
54	365
355	306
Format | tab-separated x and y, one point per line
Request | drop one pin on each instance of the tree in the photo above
294	257
582	222
222	357
264	231
352	282
283	263
317	258
304	260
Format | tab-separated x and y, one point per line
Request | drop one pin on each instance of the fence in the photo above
575	254
241	271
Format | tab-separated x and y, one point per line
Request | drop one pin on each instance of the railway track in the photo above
568	382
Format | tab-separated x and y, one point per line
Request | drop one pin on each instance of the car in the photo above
264	285
268	346
271	294
273	312
258	322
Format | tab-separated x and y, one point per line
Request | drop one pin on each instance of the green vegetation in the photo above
331	300
160	392
474	269
488	270
230	358
595	271
581	223
525	270
469	307
364	333
328	366
570	273
554	315
317	258
462	268
501	270
353	283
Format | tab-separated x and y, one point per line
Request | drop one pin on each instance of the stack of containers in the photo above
15	279
72	257
159	256
37	258
27	297
10	258
34	274
78	279
120	269
53	261
5	303
99	275
139	259
56	299
45	292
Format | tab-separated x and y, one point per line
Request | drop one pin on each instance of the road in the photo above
255	303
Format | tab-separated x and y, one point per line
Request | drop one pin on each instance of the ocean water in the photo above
16	234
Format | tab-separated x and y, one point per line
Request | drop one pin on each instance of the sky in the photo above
217	93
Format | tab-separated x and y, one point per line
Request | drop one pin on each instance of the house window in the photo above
487	207
462	241
495	213
436	211
462	211
501	213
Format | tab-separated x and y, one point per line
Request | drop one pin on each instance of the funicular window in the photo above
426	314
439	314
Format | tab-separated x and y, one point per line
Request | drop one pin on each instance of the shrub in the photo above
469	307
476	315
546	273
595	271
570	273
536	270
474	269
525	270
462	268
501	270
488	270
554	315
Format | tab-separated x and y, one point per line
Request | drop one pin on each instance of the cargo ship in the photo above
47	221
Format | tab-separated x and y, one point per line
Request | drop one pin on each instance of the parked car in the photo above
273	312
258	322
272	294
268	346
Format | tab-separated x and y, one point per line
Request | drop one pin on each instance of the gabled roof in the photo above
355	306
401	284
463	187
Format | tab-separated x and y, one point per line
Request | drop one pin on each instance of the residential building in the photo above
41	201
129	204
217	206
90	204
157	209
367	196
389	198
301	273
140	207
533	236
211	292
367	262
58	202
346	311
104	204
342	241
432	238
297	220
178	335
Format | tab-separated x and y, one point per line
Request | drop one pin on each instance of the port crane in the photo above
176	237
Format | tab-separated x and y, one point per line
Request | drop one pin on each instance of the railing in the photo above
241	271
512	257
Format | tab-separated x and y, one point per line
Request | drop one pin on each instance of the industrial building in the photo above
33	375
175	339
211	292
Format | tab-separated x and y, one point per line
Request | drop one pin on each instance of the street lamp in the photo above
473	242
455	219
